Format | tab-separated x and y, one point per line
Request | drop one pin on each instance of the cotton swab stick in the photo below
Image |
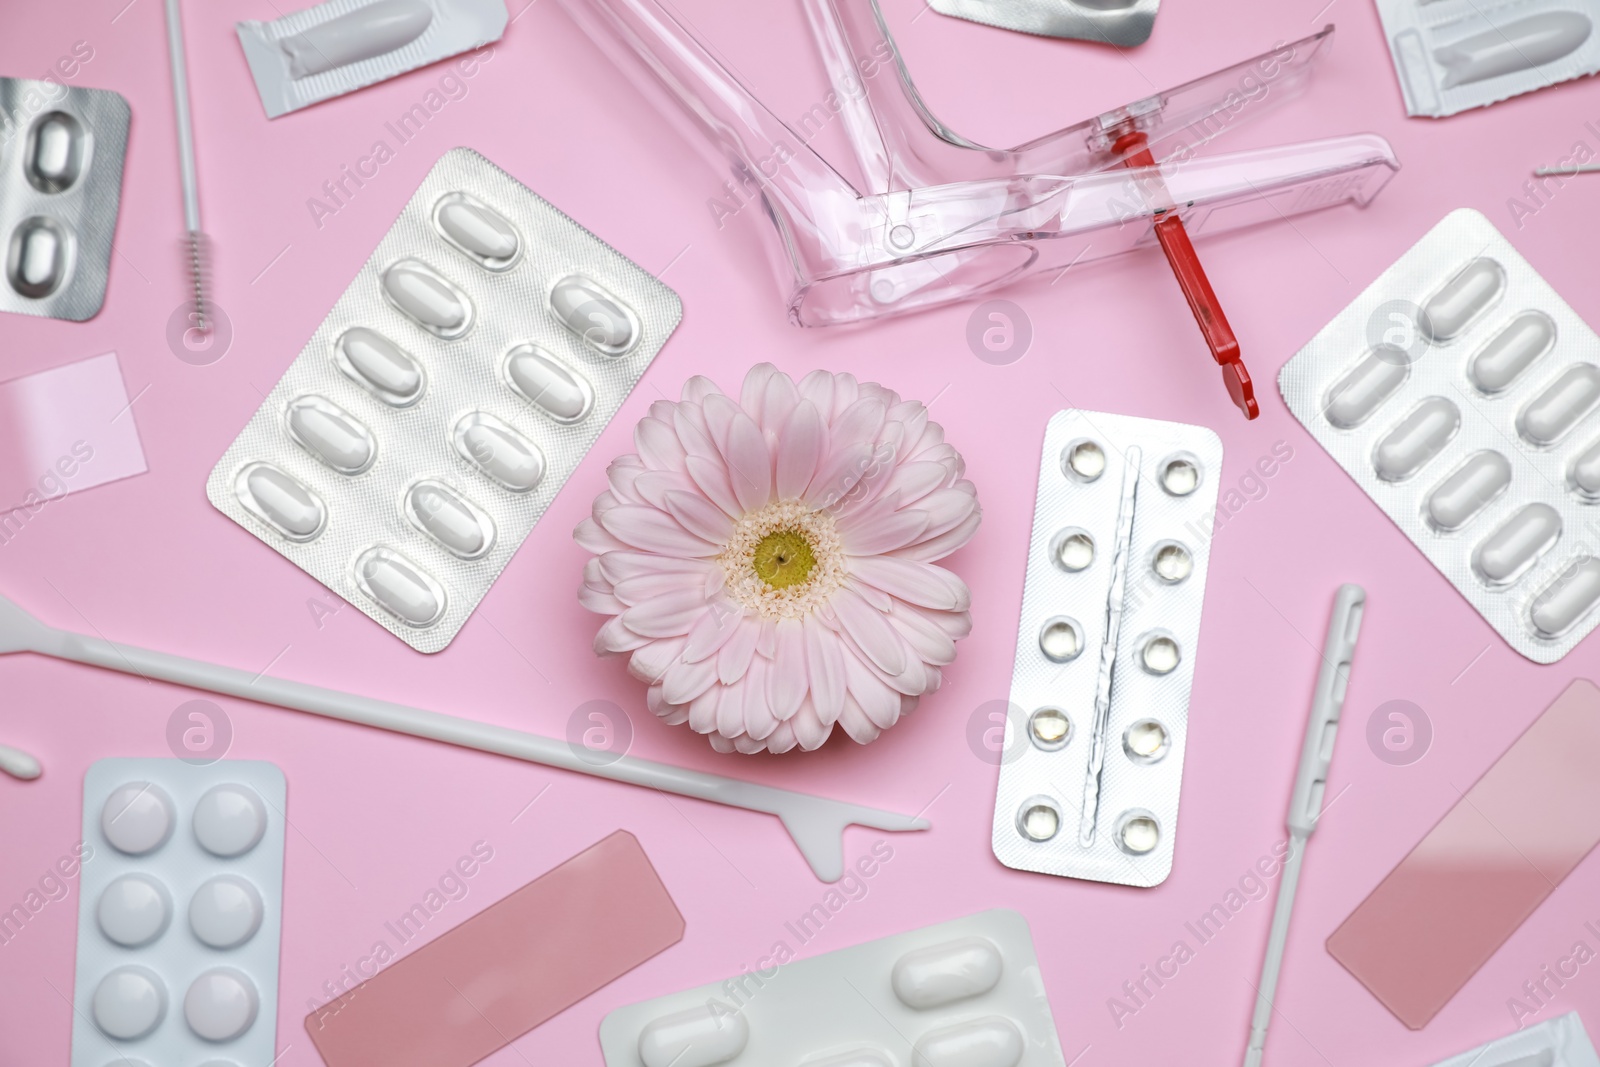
194	238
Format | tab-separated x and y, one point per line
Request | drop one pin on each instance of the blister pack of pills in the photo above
438	409
181	908
1458	391
61	152
1110	627
957	994
1558	1042
1451	55
345	45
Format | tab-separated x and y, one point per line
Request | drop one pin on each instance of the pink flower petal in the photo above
670	615
846	391
748	745
782	739
625	563
719	743
817	387
870	631
615	637
755	386
913	481
809	729
673	714
713	630
700	516
837	474
885	534
767	638
880	600
922	584
939	547
712	478
652	487
690	422
778	399
654	531
720	412
633	591
957	624
862	730
926	638
824	669
800	450
621	476
861	421
697	388
650	663
600	602
682	682
703	710
658	444
749	463
880	703
734	659
946	509
786	680
730	710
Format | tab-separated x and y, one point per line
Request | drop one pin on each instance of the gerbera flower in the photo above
768	561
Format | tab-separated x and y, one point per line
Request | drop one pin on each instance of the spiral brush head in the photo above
195	253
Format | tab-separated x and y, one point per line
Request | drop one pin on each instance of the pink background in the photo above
377	818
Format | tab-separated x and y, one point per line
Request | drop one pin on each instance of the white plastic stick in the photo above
1305	804
816	823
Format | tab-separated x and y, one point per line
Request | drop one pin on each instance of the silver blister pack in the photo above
1459	392
1095	731
61	152
1451	55
430	420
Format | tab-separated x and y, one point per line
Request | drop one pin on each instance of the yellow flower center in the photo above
783	558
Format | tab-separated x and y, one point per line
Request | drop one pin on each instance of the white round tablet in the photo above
225	911
229	820
129	1003
134	910
137	818
221	1004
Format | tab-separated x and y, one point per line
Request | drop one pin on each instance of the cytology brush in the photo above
194	237
816	823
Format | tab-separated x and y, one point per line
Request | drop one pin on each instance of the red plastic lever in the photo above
1179	250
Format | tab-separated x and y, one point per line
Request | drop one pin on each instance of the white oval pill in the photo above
1511	351
594	315
380	366
1416	439
446	516
1549	416
986	1042
229	820
1569	598
499	451
419	291
283	503
129	1003
478	230
698	1037
1505	554
1354	397
225	911
55	152
1469	293
1480	478
331	434
137	818
221	1004
935	976
37	264
558	392
400	587
1509	46
369	31
133	910
1584	474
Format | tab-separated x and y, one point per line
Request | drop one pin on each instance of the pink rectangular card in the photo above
520	961
1484	868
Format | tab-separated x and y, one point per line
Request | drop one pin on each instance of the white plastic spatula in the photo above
816	823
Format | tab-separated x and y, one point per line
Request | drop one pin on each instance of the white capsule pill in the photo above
593	314
1572	595
1512	46
1505	554
449	518
1084	460
1171	562
542	380
1584	474
37	263
229	820
1038	819
1159	653
1549	416
129	1003
987	1042
331	434
1138	832
935	976
1049	728
478	230
698	1037
1060	639
1365	387
221	1004
400	587
1479	478
1073	550
380	366
1469	293
134	910
419	291
55	152
1180	474
1508	353
1146	741
1416	439
137	818
283	503
369	31
225	911
499	451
